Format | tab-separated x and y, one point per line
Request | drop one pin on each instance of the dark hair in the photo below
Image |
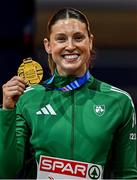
68	13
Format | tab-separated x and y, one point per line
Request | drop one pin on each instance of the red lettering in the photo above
63	166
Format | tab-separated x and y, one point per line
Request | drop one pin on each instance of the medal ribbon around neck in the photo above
78	82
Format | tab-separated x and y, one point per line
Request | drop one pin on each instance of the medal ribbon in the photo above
79	81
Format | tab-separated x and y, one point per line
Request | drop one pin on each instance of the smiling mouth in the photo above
71	57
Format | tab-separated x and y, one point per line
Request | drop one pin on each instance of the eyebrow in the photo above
79	32
60	34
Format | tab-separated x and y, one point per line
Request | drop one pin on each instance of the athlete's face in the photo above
70	46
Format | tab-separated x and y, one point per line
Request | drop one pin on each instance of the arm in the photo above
12	143
124	148
13	130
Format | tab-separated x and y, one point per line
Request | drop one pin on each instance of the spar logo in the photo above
62	166
94	172
51	166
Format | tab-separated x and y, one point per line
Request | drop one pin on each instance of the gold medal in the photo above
31	71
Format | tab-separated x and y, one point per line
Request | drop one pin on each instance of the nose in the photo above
70	45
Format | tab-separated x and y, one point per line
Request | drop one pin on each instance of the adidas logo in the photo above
46	110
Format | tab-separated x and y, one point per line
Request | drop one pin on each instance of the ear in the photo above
91	41
47	46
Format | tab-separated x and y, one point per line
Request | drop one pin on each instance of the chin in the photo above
73	71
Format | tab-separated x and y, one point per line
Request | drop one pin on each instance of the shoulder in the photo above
31	96
34	88
32	91
113	92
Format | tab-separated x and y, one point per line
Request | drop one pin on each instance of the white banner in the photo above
52	168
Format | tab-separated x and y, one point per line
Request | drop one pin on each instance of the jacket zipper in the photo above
72	127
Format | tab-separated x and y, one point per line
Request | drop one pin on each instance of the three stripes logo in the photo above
46	110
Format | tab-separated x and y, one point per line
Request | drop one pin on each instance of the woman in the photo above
72	115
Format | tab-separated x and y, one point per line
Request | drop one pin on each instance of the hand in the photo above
12	90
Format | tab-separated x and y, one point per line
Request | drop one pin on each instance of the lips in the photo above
71	56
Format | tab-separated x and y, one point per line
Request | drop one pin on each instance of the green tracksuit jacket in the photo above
94	123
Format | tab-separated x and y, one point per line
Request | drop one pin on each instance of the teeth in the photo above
71	56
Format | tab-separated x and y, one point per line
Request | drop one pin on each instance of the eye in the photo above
61	38
79	37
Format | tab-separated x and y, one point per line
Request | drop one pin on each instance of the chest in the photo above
85	114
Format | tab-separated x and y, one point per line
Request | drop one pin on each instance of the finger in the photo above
16	88
17	79
10	90
15	82
11	94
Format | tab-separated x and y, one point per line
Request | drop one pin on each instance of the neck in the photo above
78	73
